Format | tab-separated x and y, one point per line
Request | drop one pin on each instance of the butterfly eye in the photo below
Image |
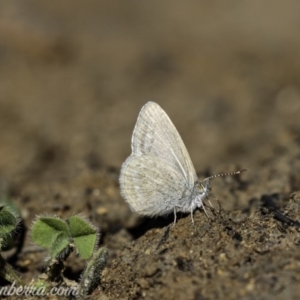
201	188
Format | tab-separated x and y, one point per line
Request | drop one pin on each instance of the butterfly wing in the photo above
151	186
155	134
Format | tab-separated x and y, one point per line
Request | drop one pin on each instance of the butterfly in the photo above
159	177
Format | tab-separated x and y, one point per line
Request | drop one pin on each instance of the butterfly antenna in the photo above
226	174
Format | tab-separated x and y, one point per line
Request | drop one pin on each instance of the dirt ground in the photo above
73	77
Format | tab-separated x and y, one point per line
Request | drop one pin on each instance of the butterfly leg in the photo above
210	203
205	211
209	200
175	216
192	215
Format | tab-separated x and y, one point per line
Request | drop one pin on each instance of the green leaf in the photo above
84	235
6	201
51	233
8	221
60	245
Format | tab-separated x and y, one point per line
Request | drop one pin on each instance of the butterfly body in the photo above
194	199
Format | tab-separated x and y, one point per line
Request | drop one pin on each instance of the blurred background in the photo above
75	74
73	78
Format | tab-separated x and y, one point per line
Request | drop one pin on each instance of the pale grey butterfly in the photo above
158	177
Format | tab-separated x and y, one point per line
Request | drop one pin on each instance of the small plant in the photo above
61	238
92	274
9	221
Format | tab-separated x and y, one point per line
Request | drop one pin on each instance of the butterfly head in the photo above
202	189
201	192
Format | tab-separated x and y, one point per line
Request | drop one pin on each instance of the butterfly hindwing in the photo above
150	185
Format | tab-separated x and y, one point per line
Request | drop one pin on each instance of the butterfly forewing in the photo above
155	134
151	186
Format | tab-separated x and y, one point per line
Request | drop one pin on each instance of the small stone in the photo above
143	283
101	211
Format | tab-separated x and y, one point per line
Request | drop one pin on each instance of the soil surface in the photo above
73	78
